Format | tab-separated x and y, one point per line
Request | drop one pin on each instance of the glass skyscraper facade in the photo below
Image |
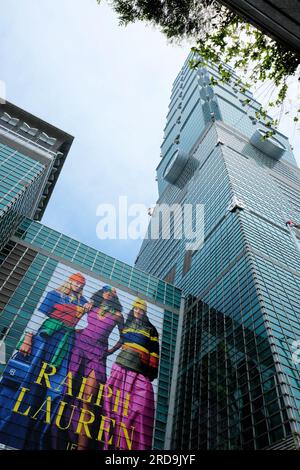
237	379
32	153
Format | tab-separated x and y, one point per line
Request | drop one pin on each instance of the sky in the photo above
70	63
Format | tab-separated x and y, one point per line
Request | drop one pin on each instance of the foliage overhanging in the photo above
220	37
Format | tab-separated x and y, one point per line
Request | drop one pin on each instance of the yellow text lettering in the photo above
47	410
82	423
60	414
19	401
45	375
104	426
68	382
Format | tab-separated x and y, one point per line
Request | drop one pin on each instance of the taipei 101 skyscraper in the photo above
236	383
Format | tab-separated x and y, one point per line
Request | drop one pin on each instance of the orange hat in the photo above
78	277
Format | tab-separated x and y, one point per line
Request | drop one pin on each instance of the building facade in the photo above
32	154
241	324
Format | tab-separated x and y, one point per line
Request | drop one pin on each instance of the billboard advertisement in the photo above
84	373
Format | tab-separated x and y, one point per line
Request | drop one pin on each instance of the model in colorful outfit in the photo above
88	358
132	374
47	340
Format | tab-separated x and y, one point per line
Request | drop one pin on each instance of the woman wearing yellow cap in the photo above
48	339
132	374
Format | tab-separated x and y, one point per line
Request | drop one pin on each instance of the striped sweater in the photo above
140	348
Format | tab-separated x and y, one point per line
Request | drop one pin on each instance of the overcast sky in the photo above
71	64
